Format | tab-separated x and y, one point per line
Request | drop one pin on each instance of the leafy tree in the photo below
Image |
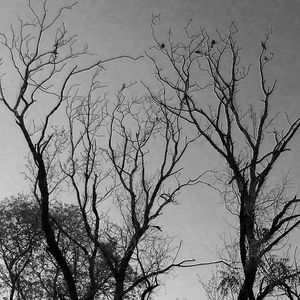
202	82
30	272
19	237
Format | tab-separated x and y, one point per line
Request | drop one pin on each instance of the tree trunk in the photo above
246	292
119	289
52	244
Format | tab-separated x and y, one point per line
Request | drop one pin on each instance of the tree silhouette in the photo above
100	151
240	133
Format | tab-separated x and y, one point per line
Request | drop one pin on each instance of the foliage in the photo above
27	270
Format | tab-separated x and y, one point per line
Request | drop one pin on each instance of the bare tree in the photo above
101	152
125	168
39	60
203	79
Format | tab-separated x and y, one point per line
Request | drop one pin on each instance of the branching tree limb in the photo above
201	66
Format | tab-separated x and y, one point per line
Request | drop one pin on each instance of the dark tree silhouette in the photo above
206	90
102	152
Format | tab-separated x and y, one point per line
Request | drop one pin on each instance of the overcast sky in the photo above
114	27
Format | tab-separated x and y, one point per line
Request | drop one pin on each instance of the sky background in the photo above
115	27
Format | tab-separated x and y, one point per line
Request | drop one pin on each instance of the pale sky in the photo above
115	27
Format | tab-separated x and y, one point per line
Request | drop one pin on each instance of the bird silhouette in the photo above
55	48
123	87
264	46
157	227
213	42
162	45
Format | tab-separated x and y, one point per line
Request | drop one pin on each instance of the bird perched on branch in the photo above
263	44
213	42
157	227
162	45
54	52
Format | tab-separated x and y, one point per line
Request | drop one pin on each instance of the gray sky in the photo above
114	27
